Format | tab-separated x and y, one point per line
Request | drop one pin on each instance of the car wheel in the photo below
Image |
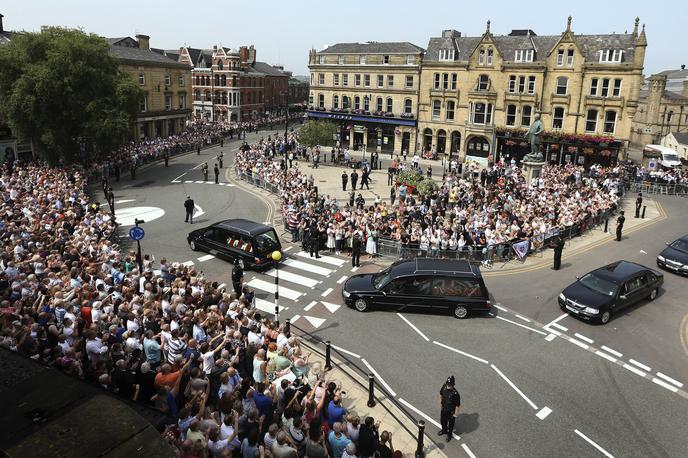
361	305
460	312
653	294
606	316
193	246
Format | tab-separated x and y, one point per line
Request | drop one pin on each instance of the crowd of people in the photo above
659	175
229	381
469	210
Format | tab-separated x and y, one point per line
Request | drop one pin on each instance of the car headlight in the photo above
591	311
346	294
562	297
661	258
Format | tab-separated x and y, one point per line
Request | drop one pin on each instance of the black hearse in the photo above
235	239
425	283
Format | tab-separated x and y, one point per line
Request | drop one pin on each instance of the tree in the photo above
317	133
62	89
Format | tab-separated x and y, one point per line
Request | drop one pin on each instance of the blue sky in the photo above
284	31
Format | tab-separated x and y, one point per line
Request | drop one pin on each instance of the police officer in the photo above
638	204
354	179
189	207
110	196
220	157
619	225
451	403
364	178
216	170
356	246
558	245
238	277
345	180
314	240
167	158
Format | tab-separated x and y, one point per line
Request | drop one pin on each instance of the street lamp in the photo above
276	256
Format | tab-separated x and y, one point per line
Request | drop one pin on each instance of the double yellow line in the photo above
662	216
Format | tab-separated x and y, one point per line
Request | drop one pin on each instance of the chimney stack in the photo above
144	41
1	29
252	55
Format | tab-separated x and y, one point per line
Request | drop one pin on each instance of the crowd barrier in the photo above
658	187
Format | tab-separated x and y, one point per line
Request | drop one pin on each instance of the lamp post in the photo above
276	256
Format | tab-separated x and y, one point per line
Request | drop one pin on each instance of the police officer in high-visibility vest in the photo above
451	403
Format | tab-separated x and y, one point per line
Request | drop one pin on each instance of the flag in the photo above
521	249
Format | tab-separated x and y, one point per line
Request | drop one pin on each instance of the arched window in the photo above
207	96
562	85
198	80
436	110
335	101
510	115
346	102
591	121
223	80
389	104
220	65
526	113
357	103
197	95
450	110
558	118
669	115
321	100
366	103
609	122
408	106
378	104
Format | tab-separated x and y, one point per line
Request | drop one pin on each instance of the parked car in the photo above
599	294
675	256
453	285
235	239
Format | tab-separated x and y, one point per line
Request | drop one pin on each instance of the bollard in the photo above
606	225
643	215
371	390
287	327
328	363
421	431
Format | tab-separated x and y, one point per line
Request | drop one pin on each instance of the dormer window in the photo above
385	59
340	60
560	57
446	54
569	58
524	55
490	53
321	59
481	57
410	60
611	55
362	59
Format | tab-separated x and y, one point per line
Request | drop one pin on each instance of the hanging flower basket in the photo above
588	151
572	149
603	144
605	153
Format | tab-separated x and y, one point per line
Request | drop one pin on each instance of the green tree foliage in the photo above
317	133
410	176
61	88
427	187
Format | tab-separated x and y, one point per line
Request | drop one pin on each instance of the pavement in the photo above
534	381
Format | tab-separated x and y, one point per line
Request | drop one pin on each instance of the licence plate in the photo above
568	307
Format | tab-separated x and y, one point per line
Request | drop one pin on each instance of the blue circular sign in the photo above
136	233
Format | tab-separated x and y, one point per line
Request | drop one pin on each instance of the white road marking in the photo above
523	318
613	352
294	318
350	353
188	263
643	251
670	380
555	332
200	182
581	337
188	181
267	222
330	306
324	258
230	185
542	414
558	326
176	179
379	379
460	352
467	450
521	325
635	370
427	417
293	278
288	248
268	306
205	258
326	292
316	322
257	283
342	279
310	306
413	327
589	441
128	216
664	384
354	269
500	307
606	356
124	201
511	384
307	267
579	343
221	285
199	211
561	317
550	337
640	365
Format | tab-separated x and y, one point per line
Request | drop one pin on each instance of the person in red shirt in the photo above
86	314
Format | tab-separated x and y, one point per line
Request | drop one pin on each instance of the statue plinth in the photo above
532	169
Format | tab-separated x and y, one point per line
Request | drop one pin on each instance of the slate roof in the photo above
143	56
267	69
542	44
402	47
681	137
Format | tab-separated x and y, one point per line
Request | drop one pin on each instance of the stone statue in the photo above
533	137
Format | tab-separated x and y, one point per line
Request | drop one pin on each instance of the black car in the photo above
235	239
604	291
675	256
453	285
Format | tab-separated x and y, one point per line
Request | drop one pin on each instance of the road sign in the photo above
136	233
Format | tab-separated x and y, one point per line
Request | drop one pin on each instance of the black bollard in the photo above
287	327
371	390
643	215
328	363
420	453
606	225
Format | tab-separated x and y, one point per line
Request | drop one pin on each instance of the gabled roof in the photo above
143	56
402	47
681	137
267	69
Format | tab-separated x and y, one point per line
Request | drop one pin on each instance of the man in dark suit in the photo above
189	207
619	225
217	174
356	247
638	204
354	179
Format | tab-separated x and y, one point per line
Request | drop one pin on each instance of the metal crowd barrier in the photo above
654	187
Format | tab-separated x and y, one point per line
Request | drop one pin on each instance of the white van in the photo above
668	157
